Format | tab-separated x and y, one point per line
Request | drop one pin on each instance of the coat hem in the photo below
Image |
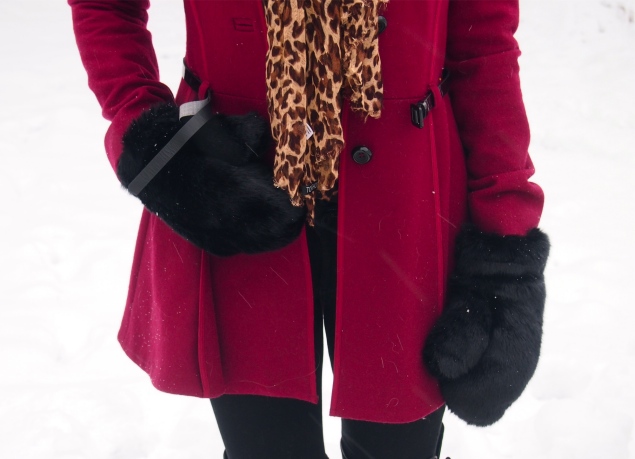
260	390
392	420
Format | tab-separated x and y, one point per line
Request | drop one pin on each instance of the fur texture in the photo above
485	346
214	192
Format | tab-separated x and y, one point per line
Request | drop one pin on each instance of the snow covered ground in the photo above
68	392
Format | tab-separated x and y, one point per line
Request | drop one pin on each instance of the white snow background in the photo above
67	391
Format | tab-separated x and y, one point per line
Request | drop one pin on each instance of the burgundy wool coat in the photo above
206	326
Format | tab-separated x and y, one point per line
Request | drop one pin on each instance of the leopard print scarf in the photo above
319	51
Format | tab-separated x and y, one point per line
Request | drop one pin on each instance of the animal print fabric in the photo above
319	52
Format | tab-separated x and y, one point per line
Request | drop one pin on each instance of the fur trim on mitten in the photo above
213	192
485	346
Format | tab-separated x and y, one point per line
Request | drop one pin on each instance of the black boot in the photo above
439	442
227	457
344	456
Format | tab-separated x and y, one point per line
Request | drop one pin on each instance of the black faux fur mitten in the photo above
214	192
485	346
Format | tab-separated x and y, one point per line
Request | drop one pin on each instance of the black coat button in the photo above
361	155
382	23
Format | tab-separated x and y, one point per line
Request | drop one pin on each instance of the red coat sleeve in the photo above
116	50
482	56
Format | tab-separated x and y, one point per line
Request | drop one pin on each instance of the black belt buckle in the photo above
420	110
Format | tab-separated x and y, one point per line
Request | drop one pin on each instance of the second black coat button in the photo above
382	23
361	155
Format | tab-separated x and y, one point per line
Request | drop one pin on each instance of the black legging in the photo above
257	427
